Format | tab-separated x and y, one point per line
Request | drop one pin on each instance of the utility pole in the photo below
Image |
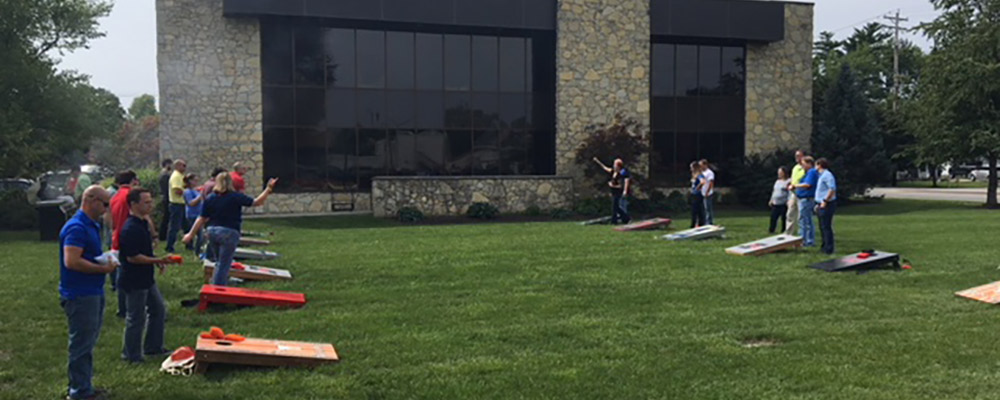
895	57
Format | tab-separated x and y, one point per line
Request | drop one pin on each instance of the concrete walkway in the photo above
977	195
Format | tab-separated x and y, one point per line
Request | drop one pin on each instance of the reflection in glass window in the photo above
279	157
399	52
429	61
309	110
663	71
709	70
276	54
512	67
310	158
371	108
484	63
687	71
341	158
733	65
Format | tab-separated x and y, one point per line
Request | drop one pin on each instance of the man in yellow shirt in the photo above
792	217
176	197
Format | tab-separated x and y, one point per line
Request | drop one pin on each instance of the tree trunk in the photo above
934	175
991	191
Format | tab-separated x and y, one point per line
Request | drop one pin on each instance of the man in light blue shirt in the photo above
826	200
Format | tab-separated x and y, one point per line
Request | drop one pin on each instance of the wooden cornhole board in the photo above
597	221
767	245
249	272
699	233
232	295
988	293
253	254
256	234
655	223
855	262
249	241
263	352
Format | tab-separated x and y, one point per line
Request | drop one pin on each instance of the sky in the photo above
124	61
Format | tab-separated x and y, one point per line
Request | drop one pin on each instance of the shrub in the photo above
753	180
533	211
561	213
624	138
149	179
15	211
593	206
677	202
482	211
409	214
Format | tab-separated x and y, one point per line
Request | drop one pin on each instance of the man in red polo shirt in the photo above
120	210
239	183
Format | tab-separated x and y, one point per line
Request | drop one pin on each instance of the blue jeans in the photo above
85	315
143	303
222	241
826	225
710	209
619	210
199	241
176	225
806	228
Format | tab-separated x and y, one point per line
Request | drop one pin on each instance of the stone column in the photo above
602	64
779	86
210	88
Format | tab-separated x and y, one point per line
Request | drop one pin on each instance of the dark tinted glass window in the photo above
512	111
430	149
733	66
430	110
399	52
279	106
484	63
663	69
457	62
340	109
457	110
276	54
687	71
310	158
459	157
400	153
512	67
341	158
340	57
709	70
486	149
309	107
430	61
484	111
399	109
371	59
279	155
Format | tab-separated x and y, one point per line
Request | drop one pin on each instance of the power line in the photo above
895	56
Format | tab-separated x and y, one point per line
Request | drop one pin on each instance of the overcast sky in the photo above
124	61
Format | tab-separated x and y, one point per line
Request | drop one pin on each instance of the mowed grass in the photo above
556	310
946	184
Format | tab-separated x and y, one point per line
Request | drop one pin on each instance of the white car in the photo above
979	175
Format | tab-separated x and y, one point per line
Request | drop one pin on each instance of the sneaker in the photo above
98	394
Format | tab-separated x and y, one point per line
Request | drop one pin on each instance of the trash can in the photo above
51	218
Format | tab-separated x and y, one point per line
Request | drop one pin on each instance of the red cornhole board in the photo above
249	272
648	224
263	352
248	297
989	293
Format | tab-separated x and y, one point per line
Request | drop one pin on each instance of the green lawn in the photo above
556	310
942	184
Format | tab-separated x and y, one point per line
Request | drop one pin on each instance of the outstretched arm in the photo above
267	192
605	167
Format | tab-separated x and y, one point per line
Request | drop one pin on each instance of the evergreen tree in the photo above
848	134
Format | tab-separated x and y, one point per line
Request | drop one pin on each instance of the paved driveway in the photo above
967	195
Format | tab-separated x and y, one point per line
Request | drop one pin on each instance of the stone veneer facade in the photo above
211	106
602	63
779	86
210	88
453	196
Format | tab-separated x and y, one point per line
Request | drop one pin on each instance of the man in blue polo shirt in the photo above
806	192
81	288
826	199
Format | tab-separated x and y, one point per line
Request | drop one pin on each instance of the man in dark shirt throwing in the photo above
619	185
143	299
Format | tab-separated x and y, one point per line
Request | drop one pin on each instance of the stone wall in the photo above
210	94
602	64
779	86
454	195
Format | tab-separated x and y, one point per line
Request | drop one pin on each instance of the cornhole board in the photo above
249	272
256	234
263	352
854	262
989	293
767	245
249	241
655	223
699	233
253	254
597	221
231	295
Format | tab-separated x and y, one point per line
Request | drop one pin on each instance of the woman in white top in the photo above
779	199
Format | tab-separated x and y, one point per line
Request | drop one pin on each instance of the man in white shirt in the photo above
708	190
